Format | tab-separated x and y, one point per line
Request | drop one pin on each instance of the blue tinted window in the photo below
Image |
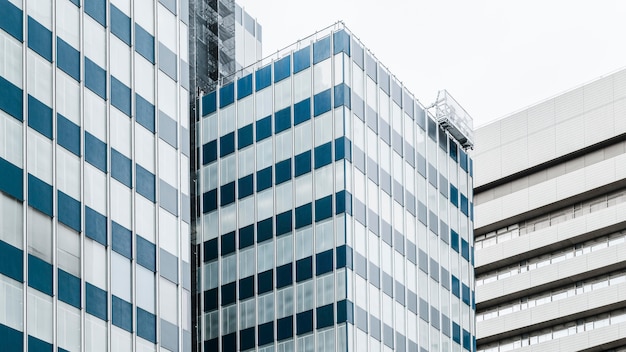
325	316
464	205
144	113
284	275
11	181
264	179
246	236
265	281
39	275
12	263
121	240
284	328
228	243
343	148
264	230
209	152
282	68
95	152
69	288
68	135
227	95
120	96
302	111
95	78
282	120
39	117
266	333
263	77
11	98
324	262
304	322
95	226
144	43
323	208
211	249
342	96
96	301
209	103
246	186
145	183
263	128
11	19
283	171
209	201
343	202
146	253
304	269
244	86
120	24
96	9
39	195
39	39
121	168
321	102
227	193
301	59
227	144
69	211
323	155
122	314
245	136
146	325
321	50
304	215
456	332
454	195
37	345
302	163
247	340
341	42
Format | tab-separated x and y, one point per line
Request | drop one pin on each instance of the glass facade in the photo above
94	180
334	212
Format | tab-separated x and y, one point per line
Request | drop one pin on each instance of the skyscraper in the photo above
335	210
550	223
94	176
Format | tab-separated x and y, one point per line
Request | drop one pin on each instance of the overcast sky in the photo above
494	56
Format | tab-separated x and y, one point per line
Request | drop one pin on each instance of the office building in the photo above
334	211
94	176
550	226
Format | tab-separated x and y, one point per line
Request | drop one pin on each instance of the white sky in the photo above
494	56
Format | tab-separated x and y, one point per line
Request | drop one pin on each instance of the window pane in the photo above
68	327
11	226
120	281
68	253
12	301
39	235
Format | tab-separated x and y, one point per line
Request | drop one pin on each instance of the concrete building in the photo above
550	227
335	211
